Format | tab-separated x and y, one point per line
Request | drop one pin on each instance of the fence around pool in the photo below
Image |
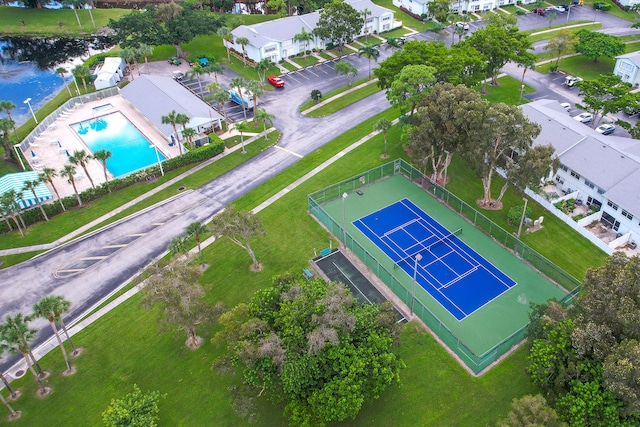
476	362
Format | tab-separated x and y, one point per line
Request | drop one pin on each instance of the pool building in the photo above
128	123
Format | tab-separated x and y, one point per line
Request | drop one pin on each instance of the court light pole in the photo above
158	157
28	102
415	275
524	211
344	221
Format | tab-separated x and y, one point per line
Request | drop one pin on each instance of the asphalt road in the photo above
86	270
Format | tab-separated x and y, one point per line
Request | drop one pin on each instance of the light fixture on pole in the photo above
524	211
28	102
158	157
415	275
344	221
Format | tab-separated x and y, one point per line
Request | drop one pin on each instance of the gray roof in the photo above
285	28
156	96
277	30
633	57
610	162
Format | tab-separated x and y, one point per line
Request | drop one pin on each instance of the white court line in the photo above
350	281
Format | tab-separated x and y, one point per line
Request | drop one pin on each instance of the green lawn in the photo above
435	390
345	101
305	61
536	37
507	91
581	66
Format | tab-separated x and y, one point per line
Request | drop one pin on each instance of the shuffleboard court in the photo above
453	273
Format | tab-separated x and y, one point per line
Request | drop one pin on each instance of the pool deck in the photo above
50	155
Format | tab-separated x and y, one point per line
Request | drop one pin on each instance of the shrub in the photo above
520	12
34	215
515	214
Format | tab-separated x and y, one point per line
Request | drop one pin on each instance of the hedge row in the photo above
34	215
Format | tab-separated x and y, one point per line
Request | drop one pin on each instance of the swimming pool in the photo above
114	132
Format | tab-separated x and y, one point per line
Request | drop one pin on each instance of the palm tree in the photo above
177	245
12	392
383	125
171	119
102	156
264	117
44	309
61	306
221	96
7	107
11	207
5	212
255	88
182	119
5	127
243	41
214	68
92	6
129	55
68	172
47	175
13	415
366	12
80	158
262	66
82	72
227	37
31	186
303	37
197	229
145	50
16	334
211	88
62	71
74	4
189	133
197	70
371	52
238	83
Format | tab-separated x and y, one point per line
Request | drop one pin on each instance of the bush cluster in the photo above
34	215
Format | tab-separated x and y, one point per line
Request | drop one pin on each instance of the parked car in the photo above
462	25
572	80
174	61
566	106
401	40
606	129
556	9
539	10
276	81
177	75
584	117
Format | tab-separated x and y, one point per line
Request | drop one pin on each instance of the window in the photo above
589	183
600	190
386	18
626	214
575	175
270	49
612	205
564	168
626	66
560	180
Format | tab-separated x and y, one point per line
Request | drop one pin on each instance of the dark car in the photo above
276	81
539	10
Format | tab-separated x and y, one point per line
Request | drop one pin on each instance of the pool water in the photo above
114	132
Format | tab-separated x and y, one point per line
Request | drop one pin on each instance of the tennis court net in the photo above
427	248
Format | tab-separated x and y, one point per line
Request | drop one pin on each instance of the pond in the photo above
27	68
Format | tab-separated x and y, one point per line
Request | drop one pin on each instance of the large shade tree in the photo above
239	227
339	23
494	133
435	133
605	94
410	87
136	409
595	45
175	291
564	41
309	345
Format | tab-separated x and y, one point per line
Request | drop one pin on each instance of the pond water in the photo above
27	69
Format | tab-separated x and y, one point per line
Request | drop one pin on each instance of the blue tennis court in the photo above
459	278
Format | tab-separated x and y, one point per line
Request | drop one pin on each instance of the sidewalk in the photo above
73	328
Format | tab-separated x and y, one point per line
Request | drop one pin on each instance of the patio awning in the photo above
16	181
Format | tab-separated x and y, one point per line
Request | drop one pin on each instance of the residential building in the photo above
274	39
627	67
421	7
601	171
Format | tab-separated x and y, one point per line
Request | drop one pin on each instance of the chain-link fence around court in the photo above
476	362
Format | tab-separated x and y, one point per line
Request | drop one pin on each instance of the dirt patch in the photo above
493	205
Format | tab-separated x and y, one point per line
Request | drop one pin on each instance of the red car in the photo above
276	81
